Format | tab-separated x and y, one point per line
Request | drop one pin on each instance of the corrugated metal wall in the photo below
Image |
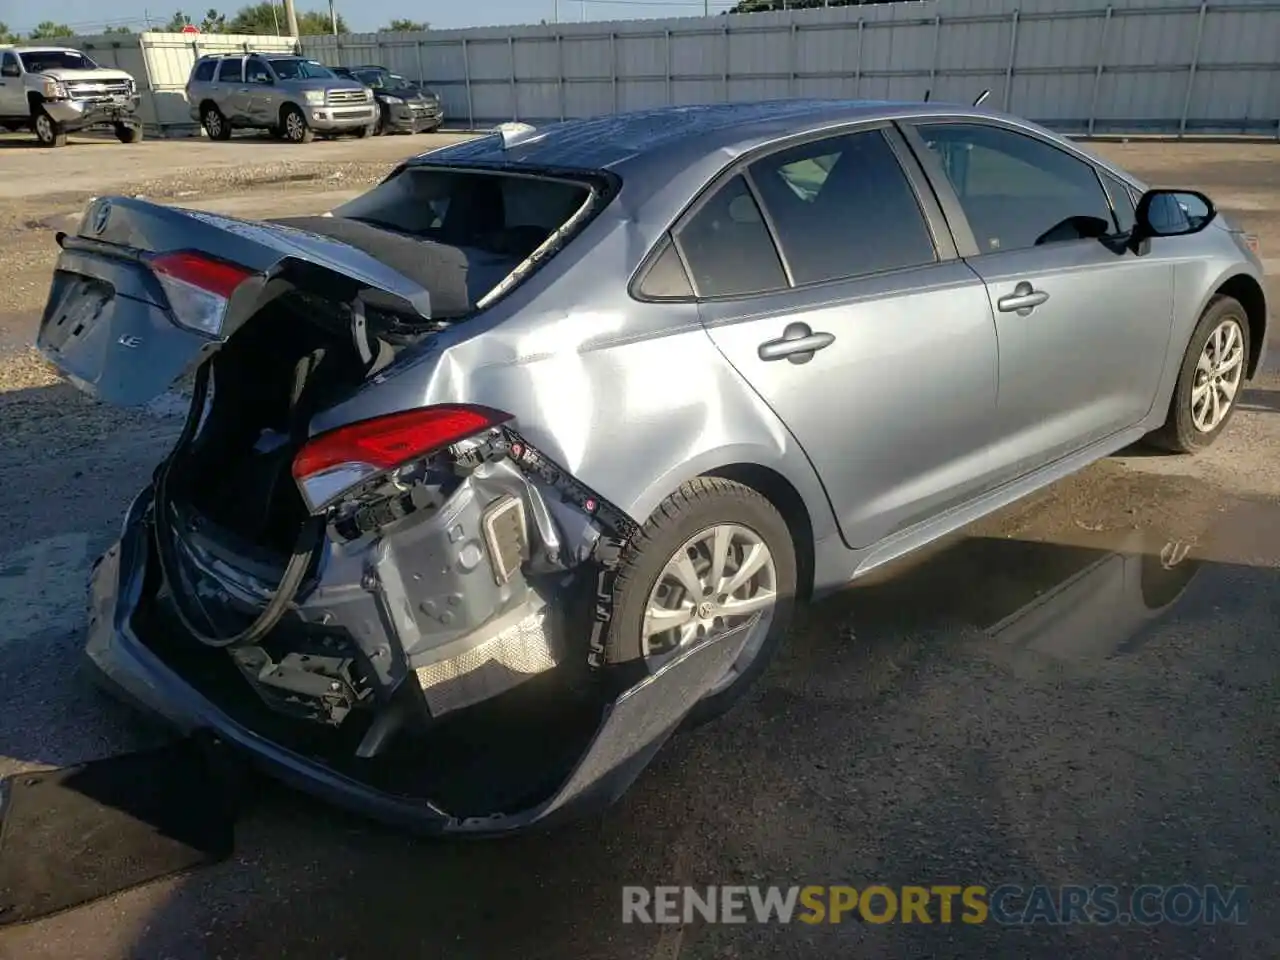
1080	66
161	63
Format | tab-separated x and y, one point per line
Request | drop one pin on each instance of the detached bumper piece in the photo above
449	784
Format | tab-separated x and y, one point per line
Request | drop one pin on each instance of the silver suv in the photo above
293	97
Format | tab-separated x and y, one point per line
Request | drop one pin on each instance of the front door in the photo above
261	89
13	98
859	327
232	96
1083	322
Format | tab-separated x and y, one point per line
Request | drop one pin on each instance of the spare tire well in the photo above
778	490
1246	290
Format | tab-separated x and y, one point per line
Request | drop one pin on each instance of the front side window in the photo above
843	207
728	247
231	71
1016	191
1121	203
295	68
256	72
376	79
42	60
9	65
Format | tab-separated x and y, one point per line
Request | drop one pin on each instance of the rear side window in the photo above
1121	203
666	279
728	247
204	70
843	207
231	71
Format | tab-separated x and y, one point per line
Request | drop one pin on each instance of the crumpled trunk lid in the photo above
110	327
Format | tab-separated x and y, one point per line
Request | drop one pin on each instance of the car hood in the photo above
100	76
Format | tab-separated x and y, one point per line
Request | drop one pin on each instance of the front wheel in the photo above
1209	381
128	133
48	130
296	128
714	556
365	132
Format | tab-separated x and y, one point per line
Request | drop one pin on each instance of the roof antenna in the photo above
926	95
981	97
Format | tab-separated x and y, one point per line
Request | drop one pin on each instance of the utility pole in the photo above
291	16
556	18
706	8
333	18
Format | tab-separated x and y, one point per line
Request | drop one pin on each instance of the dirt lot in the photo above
917	732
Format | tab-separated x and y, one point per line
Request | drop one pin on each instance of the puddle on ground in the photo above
1034	604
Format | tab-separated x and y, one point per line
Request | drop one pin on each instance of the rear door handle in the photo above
798	344
1023	300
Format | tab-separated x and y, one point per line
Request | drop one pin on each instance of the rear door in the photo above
1083	322
827	277
231	94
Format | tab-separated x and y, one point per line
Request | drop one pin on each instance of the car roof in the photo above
28	49
647	137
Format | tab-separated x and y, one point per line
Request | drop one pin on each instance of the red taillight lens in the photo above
213	276
333	461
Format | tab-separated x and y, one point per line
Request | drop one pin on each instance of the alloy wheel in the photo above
718	580
44	128
293	127
213	124
1218	374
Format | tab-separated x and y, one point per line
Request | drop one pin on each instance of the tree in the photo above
404	26
262	18
764	6
6	35
212	22
47	30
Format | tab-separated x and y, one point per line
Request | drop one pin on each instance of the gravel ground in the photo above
927	726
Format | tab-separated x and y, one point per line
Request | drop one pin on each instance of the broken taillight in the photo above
331	463
198	288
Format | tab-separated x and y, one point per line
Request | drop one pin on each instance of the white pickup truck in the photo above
53	91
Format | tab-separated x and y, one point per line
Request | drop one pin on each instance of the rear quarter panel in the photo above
631	398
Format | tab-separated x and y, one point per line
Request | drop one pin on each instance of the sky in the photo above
91	16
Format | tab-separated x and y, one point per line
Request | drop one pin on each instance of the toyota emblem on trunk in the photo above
100	215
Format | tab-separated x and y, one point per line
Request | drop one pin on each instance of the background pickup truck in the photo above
53	91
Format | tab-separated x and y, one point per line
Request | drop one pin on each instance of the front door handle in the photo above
1023	300
798	344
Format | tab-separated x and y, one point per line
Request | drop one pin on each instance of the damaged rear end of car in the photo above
385	611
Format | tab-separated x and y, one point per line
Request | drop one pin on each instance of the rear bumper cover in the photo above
631	729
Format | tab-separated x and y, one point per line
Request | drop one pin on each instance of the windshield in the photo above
42	60
378	78
298	69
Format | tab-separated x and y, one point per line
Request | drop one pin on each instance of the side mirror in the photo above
1172	213
10	70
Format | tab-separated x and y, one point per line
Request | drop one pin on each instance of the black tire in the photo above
364	132
294	124
48	131
384	118
128	133
1179	433
697	506
214	123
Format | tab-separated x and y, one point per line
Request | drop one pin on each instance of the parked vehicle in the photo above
511	466
54	91
292	97
404	106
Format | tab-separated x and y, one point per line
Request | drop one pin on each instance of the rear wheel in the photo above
215	124
1209	381
296	128
714	556
128	133
48	130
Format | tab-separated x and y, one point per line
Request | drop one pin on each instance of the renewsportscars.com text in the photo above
1006	904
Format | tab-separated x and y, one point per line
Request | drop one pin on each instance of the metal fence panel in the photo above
1083	66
